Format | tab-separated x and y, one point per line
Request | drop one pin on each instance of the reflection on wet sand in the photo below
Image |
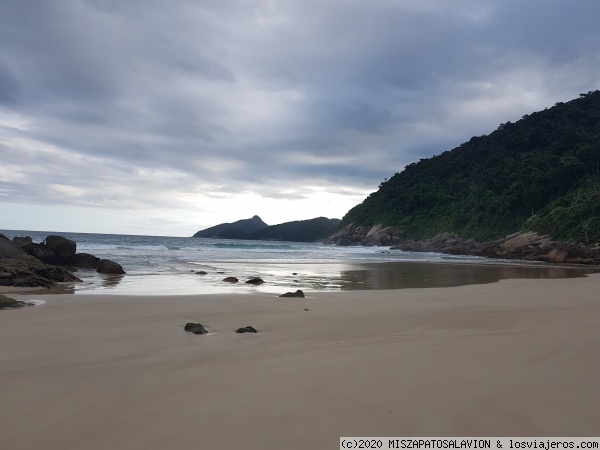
424	275
110	281
319	277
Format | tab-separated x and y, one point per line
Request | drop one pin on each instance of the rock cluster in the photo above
24	263
367	235
61	251
528	246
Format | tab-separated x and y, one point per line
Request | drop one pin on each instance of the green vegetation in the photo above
539	174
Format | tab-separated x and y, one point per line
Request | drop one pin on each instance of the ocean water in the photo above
159	265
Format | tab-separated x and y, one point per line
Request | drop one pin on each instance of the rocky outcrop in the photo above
19	269
58	250
528	246
109	267
63	248
367	235
230	280
443	243
24	263
255	281
25	243
18	273
10	250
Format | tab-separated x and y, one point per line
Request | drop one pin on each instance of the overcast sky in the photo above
166	117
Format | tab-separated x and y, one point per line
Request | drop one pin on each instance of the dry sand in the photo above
514	358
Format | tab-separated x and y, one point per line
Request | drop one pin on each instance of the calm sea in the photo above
159	265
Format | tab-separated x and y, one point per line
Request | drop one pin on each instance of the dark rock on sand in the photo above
255	280
298	293
201	272
109	267
195	328
247	329
7	302
54	250
231	280
44	254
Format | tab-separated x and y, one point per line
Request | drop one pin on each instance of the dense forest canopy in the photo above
540	174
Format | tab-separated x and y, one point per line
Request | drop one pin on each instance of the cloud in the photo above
141	105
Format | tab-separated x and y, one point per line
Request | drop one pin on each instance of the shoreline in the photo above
518	357
321	277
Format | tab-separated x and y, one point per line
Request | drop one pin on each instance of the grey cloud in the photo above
229	93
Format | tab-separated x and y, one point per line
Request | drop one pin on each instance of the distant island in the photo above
241	226
311	230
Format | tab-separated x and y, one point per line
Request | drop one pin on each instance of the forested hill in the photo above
311	230
540	174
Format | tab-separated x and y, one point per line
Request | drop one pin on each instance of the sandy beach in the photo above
518	357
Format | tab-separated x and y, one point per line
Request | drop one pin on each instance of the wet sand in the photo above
520	357
281	277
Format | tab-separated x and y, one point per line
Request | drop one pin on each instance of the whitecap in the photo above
36	302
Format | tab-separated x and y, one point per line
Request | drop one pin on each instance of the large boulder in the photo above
43	253
64	248
10	250
196	328
25	242
84	261
109	267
